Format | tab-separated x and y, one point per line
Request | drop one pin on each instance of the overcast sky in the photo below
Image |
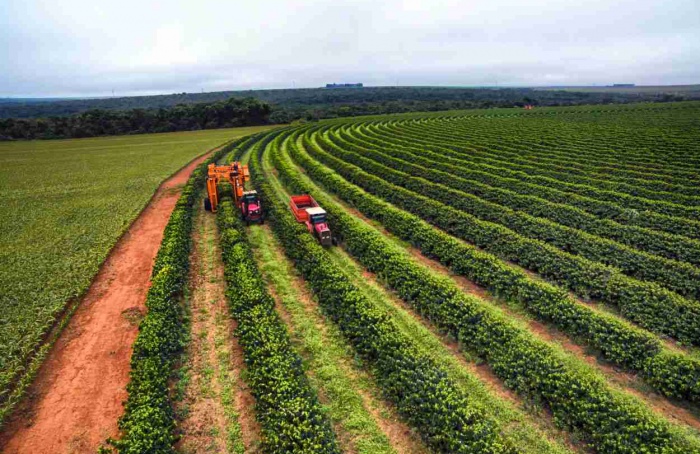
91	47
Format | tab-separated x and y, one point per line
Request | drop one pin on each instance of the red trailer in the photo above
306	210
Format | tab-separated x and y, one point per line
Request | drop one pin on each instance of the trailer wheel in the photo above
207	204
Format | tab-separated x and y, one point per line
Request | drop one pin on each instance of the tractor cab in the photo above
317	219
251	209
250	198
317	215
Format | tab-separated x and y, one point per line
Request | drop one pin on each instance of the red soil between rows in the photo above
77	397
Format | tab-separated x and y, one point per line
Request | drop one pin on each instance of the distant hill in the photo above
682	90
310	103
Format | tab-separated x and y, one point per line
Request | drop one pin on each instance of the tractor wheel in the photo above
262	221
334	241
207	204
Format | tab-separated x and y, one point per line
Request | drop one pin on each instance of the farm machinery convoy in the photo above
306	210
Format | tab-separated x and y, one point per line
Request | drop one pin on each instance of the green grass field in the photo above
64	205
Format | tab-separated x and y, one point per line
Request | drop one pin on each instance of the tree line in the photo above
100	122
32	119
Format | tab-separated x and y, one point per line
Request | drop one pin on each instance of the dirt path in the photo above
216	412
76	399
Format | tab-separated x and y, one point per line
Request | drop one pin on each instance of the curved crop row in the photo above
578	398
562	155
422	392
524	183
680	277
497	149
505	191
647	304
286	406
499	145
558	137
148	422
669	161
549	179
672	374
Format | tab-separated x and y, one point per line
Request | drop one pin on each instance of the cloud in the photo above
86	48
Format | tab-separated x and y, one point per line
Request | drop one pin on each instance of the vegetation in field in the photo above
290	415
65	204
581	226
531	218
346	392
503	344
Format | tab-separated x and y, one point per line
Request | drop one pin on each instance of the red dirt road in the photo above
76	399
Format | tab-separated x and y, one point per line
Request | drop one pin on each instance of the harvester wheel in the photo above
207	204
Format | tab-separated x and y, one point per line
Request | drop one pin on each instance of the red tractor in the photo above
306	210
251	208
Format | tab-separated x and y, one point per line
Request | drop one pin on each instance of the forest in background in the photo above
74	118
101	122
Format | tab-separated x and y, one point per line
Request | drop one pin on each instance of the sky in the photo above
140	47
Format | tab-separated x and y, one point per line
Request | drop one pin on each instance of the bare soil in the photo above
76	399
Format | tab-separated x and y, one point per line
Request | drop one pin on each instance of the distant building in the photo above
344	85
623	85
